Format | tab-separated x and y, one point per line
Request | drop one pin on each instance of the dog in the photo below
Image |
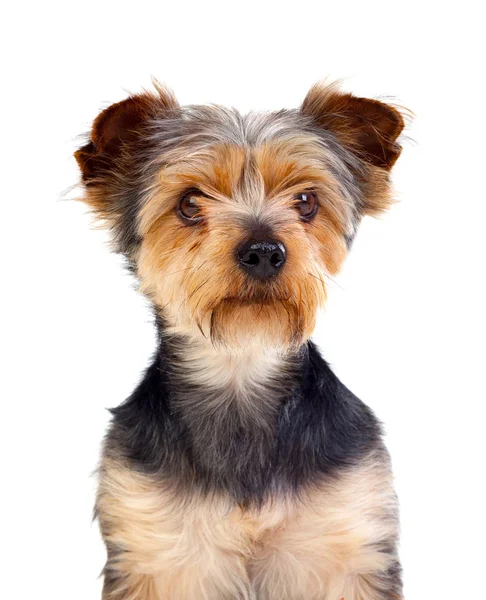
241	467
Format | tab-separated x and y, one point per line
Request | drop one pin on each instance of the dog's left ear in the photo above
368	128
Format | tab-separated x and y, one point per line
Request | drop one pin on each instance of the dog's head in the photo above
232	222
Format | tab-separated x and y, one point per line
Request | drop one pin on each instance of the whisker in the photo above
195	308
175	272
316	277
185	269
201	329
197	288
168	252
201	265
212	326
328	277
334	281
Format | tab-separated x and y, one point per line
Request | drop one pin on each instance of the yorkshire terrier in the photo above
241	467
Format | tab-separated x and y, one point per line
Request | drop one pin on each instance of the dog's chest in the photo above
161	524
197	546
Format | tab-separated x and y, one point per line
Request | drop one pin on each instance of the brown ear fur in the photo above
116	127
367	127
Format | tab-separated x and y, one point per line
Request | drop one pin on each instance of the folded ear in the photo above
118	127
368	128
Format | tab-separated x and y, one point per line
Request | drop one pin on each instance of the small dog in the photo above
241	467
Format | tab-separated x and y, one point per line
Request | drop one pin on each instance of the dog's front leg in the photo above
164	546
339	543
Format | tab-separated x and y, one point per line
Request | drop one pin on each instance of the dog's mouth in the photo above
253	300
259	318
258	295
276	314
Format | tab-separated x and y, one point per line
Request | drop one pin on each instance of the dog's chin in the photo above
273	323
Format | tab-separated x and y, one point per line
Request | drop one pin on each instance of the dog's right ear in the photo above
117	129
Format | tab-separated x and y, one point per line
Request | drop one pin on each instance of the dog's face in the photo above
231	222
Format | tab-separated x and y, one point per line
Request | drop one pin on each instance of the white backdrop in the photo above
404	327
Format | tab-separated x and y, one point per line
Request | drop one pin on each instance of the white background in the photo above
404	326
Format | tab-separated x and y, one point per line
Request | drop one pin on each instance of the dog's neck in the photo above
241	372
226	402
240	376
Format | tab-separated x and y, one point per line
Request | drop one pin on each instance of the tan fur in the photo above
322	546
190	272
243	376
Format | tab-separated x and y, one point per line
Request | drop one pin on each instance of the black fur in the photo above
318	429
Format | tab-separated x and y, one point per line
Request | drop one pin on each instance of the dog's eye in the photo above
188	208
306	204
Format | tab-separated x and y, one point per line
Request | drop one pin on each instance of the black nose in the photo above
262	258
